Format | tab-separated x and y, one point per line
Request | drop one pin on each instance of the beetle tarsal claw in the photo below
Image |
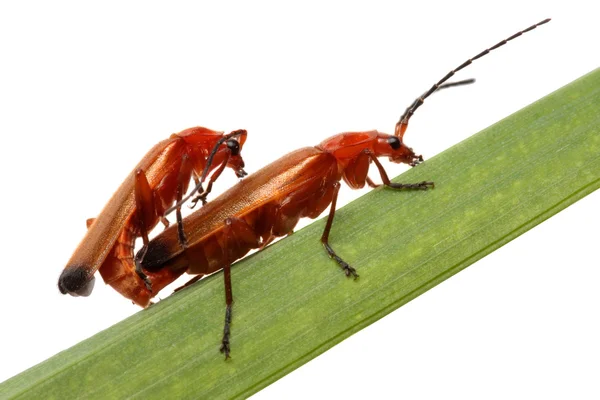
348	270
426	185
200	197
225	349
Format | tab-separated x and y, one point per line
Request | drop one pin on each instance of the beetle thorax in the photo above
349	145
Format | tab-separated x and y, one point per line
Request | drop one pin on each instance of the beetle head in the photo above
234	144
394	148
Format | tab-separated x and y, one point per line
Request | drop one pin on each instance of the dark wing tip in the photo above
152	256
75	281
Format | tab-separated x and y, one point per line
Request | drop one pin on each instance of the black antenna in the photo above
402	123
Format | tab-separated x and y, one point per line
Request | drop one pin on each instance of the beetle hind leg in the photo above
238	238
348	270
225	345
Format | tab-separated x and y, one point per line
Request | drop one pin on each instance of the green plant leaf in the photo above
293	303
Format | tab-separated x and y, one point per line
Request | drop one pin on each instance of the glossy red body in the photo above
269	203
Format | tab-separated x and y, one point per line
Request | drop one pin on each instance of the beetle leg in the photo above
198	186
372	184
138	268
348	270
229	235
165	222
386	181
238	238
190	282
267	242
225	347
215	175
180	183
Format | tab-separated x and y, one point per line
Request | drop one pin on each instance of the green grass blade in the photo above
293	303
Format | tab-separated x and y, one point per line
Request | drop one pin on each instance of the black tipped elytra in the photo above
73	279
160	253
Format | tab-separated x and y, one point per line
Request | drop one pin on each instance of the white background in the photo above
86	91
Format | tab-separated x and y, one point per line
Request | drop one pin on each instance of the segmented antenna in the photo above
402	123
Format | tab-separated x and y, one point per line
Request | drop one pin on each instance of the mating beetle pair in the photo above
265	205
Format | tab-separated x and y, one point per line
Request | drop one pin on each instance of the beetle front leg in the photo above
215	175
348	270
386	181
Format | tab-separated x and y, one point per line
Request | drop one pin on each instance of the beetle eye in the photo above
394	142
234	146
